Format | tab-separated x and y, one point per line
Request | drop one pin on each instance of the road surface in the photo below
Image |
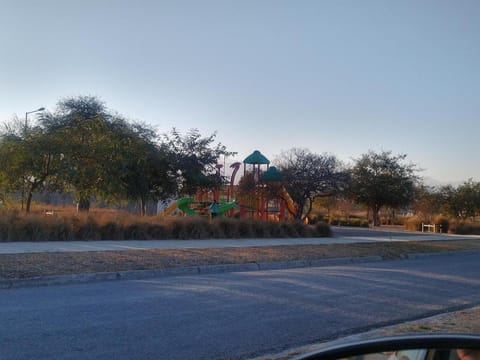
229	315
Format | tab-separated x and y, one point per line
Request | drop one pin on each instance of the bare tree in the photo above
308	176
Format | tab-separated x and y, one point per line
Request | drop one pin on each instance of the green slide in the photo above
183	203
224	207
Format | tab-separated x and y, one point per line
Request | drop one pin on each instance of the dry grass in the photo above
29	265
105	225
464	321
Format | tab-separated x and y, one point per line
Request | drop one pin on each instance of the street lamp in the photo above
31	112
26	127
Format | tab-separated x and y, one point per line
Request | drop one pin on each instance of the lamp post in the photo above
31	112
25	131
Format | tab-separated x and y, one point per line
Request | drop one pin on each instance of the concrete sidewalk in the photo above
341	235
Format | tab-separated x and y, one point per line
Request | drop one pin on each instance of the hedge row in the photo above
16	227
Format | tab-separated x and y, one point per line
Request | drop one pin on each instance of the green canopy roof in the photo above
256	158
272	174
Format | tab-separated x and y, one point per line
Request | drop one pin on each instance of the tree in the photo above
81	129
143	171
193	159
428	201
28	159
382	180
463	201
309	176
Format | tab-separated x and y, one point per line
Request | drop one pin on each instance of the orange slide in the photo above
169	209
292	208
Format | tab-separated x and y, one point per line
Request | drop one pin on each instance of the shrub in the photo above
196	228
158	232
300	228
111	230
315	218
260	229
443	223
467	229
289	229
275	230
414	223
58	229
355	222
88	230
225	228
15	226
322	229
245	229
24	229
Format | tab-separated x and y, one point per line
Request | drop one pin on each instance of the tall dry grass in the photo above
110	225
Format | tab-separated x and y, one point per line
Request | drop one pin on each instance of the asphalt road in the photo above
229	315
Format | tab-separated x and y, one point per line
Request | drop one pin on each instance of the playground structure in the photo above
259	194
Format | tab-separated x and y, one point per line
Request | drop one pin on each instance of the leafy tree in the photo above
427	201
193	159
382	180
463	201
81	128
28	158
309	176
469	198
107	156
143	171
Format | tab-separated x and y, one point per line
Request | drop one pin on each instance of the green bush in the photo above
354	222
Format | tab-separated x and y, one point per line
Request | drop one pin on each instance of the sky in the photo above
334	76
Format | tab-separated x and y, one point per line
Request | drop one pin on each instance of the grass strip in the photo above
21	266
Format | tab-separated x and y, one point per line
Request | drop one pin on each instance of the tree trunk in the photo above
143	207
31	188
83	205
376	217
28	201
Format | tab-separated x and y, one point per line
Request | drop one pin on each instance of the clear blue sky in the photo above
333	76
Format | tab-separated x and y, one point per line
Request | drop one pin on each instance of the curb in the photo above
203	269
191	270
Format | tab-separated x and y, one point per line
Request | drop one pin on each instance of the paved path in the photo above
341	235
